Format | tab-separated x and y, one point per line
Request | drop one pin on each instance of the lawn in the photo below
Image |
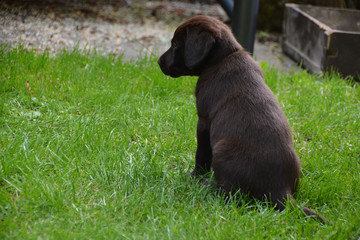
92	147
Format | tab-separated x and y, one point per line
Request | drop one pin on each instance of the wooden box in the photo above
323	38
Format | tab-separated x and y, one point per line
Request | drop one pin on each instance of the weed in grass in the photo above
94	146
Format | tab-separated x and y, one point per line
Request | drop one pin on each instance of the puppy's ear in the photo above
197	47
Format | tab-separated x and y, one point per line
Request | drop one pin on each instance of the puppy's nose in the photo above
160	61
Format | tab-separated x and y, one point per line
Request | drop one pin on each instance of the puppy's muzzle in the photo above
162	65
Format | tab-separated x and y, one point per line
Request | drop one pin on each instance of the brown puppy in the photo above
242	132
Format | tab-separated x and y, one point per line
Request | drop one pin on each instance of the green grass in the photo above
100	148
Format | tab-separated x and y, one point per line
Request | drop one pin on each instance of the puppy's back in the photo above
249	131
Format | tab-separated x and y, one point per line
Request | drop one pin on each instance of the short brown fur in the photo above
242	132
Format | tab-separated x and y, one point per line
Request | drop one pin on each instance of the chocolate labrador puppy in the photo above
242	132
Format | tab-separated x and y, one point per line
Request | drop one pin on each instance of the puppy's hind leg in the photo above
231	168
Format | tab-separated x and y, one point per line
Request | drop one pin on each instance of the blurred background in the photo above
269	17
132	27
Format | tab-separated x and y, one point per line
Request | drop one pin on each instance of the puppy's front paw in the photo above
194	174
208	181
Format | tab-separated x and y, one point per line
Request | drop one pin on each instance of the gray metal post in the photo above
243	22
228	6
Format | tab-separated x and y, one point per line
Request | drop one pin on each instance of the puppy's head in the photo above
197	44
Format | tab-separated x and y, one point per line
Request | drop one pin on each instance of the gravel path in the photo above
126	30
132	30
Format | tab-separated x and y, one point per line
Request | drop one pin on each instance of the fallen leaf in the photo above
28	86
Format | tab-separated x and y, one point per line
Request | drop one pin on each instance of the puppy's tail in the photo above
312	213
280	204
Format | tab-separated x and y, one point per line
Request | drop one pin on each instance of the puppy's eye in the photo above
173	45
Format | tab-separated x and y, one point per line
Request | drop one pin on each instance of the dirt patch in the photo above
120	28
